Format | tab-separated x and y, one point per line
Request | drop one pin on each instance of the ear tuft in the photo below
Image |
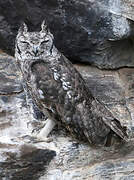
23	28
44	28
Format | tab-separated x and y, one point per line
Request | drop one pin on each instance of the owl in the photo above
60	92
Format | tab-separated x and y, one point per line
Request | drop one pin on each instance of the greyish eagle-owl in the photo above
60	92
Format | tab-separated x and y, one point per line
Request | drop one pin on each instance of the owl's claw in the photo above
45	139
37	139
37	129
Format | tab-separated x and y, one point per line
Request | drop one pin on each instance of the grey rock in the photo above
64	159
28	166
96	164
97	32
8	72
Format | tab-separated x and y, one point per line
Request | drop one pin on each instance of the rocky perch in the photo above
21	157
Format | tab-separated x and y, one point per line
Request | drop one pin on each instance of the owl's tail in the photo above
113	123
119	130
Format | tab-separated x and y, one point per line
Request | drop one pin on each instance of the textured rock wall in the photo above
97	32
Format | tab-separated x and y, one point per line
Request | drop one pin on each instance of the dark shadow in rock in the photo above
29	166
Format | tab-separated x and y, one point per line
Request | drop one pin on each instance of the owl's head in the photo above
33	45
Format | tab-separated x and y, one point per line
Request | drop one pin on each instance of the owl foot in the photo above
43	134
39	127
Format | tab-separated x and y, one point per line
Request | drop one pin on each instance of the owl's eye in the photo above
45	41
24	42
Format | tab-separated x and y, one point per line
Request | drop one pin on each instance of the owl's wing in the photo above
98	107
80	89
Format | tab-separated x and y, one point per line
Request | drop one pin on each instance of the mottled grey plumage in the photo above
60	91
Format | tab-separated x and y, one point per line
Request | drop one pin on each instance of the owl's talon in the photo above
45	139
37	129
37	139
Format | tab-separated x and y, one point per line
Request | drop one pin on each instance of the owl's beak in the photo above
35	50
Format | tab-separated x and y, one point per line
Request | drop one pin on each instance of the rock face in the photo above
97	32
21	157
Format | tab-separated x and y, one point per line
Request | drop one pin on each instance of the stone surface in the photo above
97	32
21	157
